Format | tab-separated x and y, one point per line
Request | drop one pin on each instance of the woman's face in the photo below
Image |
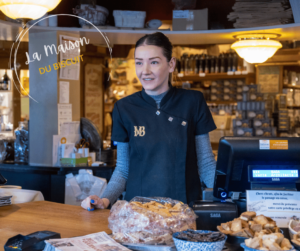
152	68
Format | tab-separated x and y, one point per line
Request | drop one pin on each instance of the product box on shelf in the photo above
241	123
230	90
251	88
241	114
230	83
218	83
256	96
258	114
262	123
229	97
190	20
243	132
239	89
265	131
239	97
240	82
216	97
217	90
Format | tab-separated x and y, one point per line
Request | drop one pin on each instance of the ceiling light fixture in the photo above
27	9
256	48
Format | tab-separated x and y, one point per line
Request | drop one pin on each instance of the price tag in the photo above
202	74
244	72
237	73
230	73
180	75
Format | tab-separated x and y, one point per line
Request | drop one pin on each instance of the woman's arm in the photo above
117	183
205	160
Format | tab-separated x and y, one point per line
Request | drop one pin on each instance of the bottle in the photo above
207	64
212	64
186	65
182	64
229	65
234	62
192	64
217	68
5	82
222	62
197	62
201	63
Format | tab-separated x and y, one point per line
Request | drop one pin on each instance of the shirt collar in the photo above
152	102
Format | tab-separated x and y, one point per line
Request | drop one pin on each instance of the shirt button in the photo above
158	112
183	123
170	119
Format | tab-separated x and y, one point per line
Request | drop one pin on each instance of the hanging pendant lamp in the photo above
27	9
256	48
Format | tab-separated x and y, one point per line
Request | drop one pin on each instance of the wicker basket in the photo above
131	19
96	16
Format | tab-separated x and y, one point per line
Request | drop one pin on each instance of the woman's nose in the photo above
146	69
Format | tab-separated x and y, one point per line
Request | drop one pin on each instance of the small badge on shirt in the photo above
158	112
170	119
183	123
139	132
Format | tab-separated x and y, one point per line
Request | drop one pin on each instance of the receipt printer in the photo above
212	213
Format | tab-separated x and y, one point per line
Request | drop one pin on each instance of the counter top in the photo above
69	221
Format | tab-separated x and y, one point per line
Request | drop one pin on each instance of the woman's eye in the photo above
138	63
154	62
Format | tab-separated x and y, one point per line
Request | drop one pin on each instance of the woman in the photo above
163	147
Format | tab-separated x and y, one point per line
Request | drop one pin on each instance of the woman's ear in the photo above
172	64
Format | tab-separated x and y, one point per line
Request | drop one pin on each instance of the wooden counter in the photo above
69	221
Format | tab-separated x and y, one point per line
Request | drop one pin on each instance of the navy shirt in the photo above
163	159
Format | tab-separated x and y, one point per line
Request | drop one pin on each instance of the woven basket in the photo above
130	19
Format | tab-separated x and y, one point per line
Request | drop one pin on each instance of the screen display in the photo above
275	173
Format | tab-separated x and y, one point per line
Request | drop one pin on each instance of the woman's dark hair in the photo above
157	39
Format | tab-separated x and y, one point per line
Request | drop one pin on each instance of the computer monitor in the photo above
253	163
2	180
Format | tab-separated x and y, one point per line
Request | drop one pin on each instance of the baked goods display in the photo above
194	236
275	241
249	225
149	220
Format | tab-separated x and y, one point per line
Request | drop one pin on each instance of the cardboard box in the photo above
262	123
265	132
190	20
242	123
243	132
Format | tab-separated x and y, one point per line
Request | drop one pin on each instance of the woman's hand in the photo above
93	201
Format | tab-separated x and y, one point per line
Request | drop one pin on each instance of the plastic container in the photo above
130	19
183	245
22	143
292	232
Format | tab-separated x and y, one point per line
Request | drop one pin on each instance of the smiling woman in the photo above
161	134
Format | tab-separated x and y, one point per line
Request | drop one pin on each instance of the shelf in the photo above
9	31
211	76
222	102
293	107
297	87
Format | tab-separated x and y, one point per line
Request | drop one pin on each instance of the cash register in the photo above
247	163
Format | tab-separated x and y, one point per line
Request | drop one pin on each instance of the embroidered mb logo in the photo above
139	132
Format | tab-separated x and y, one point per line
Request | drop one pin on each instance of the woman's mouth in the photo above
148	79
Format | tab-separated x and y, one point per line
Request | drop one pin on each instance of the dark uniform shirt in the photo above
163	159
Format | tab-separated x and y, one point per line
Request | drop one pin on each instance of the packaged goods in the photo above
262	123
219	84
149	220
216	97
243	132
258	114
241	123
230	83
265	132
239	97
241	114
229	97
217	90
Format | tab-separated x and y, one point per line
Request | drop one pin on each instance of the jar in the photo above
22	143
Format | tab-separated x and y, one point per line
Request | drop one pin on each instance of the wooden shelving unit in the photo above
250	77
296	87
